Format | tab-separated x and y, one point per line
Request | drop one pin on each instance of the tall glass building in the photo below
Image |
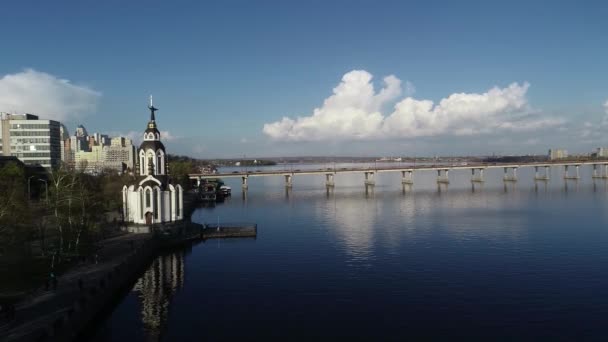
33	141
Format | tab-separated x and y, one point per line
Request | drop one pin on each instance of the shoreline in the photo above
86	290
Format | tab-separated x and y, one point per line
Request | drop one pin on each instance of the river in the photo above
523	261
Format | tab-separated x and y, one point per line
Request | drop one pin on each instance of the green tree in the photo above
13	205
180	169
76	205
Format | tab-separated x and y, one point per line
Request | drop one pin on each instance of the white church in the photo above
152	199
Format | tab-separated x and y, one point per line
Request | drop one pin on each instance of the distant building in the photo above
555	154
602	152
90	161
101	139
65	138
81	132
32	140
119	155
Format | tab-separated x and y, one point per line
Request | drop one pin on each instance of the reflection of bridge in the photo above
542	172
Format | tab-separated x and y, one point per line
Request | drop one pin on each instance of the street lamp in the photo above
29	195
46	191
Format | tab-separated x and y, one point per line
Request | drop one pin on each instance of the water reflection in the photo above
570	185
600	185
155	289
442	187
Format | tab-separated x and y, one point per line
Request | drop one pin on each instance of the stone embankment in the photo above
61	313
64	312
82	293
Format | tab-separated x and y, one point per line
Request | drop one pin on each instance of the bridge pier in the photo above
600	174
568	176
244	182
198	182
329	180
539	177
407	177
513	177
288	183
369	178
477	178
445	179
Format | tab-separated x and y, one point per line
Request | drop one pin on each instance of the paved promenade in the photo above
45	312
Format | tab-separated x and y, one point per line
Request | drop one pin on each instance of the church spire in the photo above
152	110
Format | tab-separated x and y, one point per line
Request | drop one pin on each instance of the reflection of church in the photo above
155	288
152	199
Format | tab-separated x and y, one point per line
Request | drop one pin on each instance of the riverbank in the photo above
59	314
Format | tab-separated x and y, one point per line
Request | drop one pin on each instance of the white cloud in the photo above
167	136
35	92
353	112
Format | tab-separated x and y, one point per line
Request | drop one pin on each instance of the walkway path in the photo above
43	307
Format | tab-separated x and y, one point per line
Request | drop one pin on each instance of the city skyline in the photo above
282	79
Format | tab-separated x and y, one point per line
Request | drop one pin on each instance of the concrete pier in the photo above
477	177
407	177
569	176
512	177
369	178
288	183
329	180
445	178
543	177
600	174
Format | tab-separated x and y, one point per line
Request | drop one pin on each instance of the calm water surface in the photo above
516	261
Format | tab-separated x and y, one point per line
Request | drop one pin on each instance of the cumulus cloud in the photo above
354	112
35	92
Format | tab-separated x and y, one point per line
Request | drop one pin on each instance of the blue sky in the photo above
221	71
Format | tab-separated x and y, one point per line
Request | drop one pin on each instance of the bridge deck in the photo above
388	169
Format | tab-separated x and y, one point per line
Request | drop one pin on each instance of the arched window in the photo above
159	164
148	198
177	189
155	204
150	162
141	203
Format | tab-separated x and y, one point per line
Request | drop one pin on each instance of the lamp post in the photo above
46	190
29	195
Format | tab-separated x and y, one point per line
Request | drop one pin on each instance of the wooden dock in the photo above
228	231
187	232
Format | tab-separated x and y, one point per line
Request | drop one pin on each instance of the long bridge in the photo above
542	172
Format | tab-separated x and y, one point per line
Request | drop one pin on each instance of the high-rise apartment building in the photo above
32	140
119	156
555	154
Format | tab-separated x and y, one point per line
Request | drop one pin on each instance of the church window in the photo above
177	200
155	204
141	204
148	198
